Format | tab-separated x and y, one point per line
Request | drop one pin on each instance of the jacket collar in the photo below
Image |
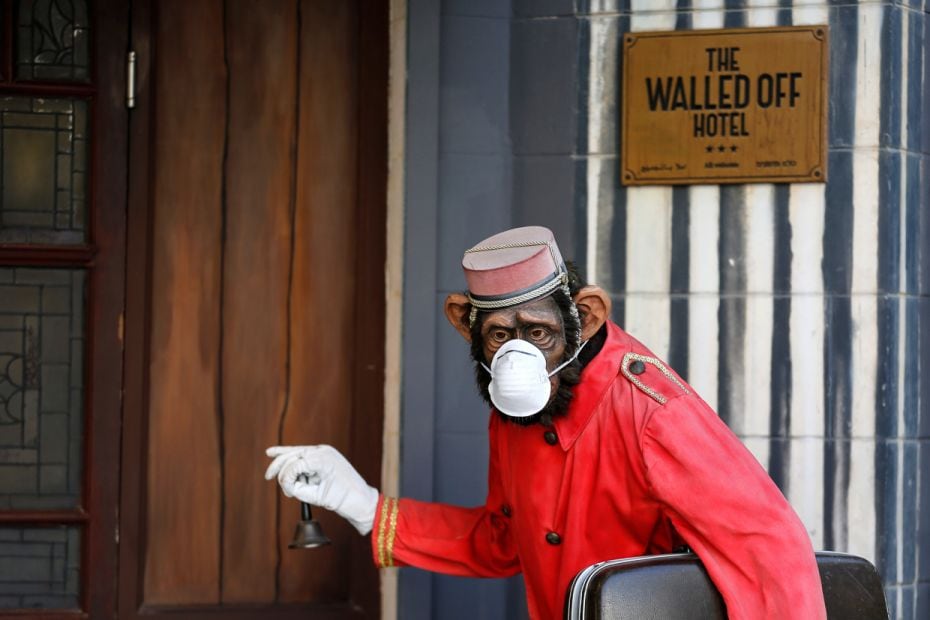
596	378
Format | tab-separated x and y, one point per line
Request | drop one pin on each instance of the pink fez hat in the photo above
513	267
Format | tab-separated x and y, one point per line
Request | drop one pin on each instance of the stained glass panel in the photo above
41	387
40	567
53	40
43	147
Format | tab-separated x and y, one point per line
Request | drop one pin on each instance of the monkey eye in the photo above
500	335
538	333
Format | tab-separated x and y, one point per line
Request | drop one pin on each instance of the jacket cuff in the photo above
385	529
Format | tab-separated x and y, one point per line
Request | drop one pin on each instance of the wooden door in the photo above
255	300
62	240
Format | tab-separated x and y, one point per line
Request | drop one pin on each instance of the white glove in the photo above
321	476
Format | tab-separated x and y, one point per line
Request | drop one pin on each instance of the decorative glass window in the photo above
43	148
40	567
41	388
52	40
44	196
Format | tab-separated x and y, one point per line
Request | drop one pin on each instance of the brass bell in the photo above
309	531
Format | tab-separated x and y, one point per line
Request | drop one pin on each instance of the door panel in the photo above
322	303
184	498
259	172
256	237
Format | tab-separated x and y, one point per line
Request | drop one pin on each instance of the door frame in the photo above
369	317
106	303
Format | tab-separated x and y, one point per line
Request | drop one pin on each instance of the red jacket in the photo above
637	457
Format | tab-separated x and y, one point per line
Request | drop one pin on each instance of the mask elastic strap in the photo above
568	361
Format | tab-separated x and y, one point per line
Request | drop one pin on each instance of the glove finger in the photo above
297	470
277	450
324	459
296	482
280	462
307	492
286	479
275	466
308	452
318	457
274	451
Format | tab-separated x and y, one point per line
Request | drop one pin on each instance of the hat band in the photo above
507	246
494	303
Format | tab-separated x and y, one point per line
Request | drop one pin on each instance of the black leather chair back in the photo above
676	587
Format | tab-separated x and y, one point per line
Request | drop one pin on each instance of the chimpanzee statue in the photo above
598	451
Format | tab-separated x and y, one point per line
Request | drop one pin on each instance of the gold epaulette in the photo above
634	365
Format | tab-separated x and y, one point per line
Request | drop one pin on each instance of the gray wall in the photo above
458	182
491	136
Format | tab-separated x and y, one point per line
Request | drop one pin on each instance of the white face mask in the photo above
519	382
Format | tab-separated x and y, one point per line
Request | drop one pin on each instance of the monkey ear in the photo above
457	309
594	307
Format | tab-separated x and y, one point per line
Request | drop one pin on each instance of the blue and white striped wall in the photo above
800	311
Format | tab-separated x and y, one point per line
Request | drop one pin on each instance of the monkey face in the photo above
542	323
538	322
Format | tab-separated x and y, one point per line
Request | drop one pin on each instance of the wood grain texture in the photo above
262	57
183	469
266	280
321	404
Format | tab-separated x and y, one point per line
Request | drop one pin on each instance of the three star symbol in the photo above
721	147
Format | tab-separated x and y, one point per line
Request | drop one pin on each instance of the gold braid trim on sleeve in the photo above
392	530
382	524
387	526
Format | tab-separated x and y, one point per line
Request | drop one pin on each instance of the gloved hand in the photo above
321	476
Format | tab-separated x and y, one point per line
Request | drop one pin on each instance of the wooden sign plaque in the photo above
725	106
